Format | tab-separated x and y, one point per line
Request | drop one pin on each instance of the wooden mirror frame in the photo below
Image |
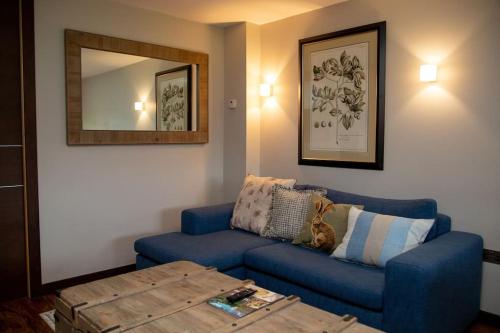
76	135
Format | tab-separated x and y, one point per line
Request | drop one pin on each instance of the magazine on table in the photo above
246	305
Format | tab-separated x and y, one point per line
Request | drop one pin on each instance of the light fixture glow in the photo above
139	106
428	73
265	90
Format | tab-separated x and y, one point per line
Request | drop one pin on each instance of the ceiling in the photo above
229	11
96	62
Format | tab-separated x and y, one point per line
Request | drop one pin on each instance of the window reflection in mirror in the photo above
127	92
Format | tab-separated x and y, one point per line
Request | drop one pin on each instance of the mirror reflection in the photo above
127	92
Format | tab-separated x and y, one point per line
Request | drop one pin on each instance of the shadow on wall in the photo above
171	219
170	222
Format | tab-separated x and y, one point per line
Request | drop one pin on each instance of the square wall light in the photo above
265	90
139	106
428	73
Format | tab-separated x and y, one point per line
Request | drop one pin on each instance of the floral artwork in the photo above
173	99
342	89
173	107
338	98
341	73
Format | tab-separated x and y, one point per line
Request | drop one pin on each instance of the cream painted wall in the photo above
96	200
441	140
241	125
234	119
253	79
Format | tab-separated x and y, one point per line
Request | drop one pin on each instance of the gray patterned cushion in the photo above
289	211
252	211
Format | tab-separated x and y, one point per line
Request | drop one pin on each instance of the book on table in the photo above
246	305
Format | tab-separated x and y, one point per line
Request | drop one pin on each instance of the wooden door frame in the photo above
31	214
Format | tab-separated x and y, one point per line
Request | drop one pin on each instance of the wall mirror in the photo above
127	92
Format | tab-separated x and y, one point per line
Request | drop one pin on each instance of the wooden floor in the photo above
22	316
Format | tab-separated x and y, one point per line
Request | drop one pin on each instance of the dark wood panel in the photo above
13	281
11	166
10	78
30	144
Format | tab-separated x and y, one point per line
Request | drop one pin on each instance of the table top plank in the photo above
300	317
116	284
202	318
86	295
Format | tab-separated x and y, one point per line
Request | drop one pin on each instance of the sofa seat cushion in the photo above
313	269
223	249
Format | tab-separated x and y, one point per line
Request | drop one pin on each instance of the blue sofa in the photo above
432	288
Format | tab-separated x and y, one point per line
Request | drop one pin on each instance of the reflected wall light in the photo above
139	106
428	73
265	90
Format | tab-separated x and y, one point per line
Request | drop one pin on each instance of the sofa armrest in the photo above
434	287
203	220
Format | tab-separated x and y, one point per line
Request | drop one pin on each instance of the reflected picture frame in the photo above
342	98
174	108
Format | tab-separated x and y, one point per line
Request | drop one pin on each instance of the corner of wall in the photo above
234	118
242	124
253	79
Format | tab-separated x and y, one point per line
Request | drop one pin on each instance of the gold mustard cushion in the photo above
325	226
252	211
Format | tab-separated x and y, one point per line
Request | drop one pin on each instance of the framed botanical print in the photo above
342	92
173	99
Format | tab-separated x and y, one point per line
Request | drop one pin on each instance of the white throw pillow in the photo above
252	210
374	239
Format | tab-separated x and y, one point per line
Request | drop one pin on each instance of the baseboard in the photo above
489	319
52	287
491	256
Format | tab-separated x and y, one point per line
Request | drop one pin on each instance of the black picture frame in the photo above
378	163
189	84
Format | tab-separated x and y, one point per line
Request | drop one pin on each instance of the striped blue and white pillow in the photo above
374	239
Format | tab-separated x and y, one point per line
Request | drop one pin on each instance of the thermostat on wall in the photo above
232	104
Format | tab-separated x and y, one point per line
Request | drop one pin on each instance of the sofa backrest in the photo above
415	208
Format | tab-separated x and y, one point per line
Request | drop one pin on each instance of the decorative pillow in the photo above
252	210
326	224
289	211
374	239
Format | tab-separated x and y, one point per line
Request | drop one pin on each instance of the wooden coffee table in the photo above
172	298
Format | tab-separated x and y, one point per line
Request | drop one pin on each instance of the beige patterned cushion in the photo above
253	207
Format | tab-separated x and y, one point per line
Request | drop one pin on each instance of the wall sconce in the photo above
265	90
428	73
139	106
